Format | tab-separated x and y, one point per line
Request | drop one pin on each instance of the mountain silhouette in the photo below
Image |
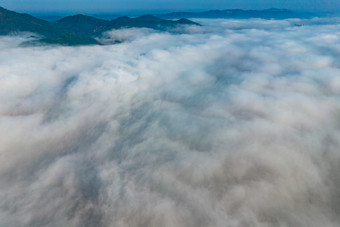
272	13
12	22
78	29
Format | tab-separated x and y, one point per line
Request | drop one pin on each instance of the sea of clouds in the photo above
232	124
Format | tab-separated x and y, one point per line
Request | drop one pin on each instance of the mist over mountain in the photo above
78	29
232	123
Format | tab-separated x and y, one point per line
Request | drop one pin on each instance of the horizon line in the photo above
158	11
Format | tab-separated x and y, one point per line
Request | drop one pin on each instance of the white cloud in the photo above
236	124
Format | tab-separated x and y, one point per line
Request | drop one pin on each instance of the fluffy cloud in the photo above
232	124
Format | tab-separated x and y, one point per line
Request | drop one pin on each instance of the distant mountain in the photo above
148	21
91	26
239	14
78	29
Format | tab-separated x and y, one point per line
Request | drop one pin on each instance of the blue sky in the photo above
161	5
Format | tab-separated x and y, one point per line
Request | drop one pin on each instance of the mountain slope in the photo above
83	25
91	26
148	21
78	29
17	22
70	40
12	22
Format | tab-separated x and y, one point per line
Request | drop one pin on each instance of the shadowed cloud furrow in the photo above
235	123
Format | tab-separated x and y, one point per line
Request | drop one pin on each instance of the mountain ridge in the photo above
78	29
271	13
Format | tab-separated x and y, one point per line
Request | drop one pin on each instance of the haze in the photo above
164	5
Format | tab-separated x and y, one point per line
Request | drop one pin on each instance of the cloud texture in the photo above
233	124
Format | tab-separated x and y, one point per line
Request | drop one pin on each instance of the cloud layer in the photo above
233	124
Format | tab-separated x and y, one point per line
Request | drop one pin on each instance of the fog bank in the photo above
235	123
